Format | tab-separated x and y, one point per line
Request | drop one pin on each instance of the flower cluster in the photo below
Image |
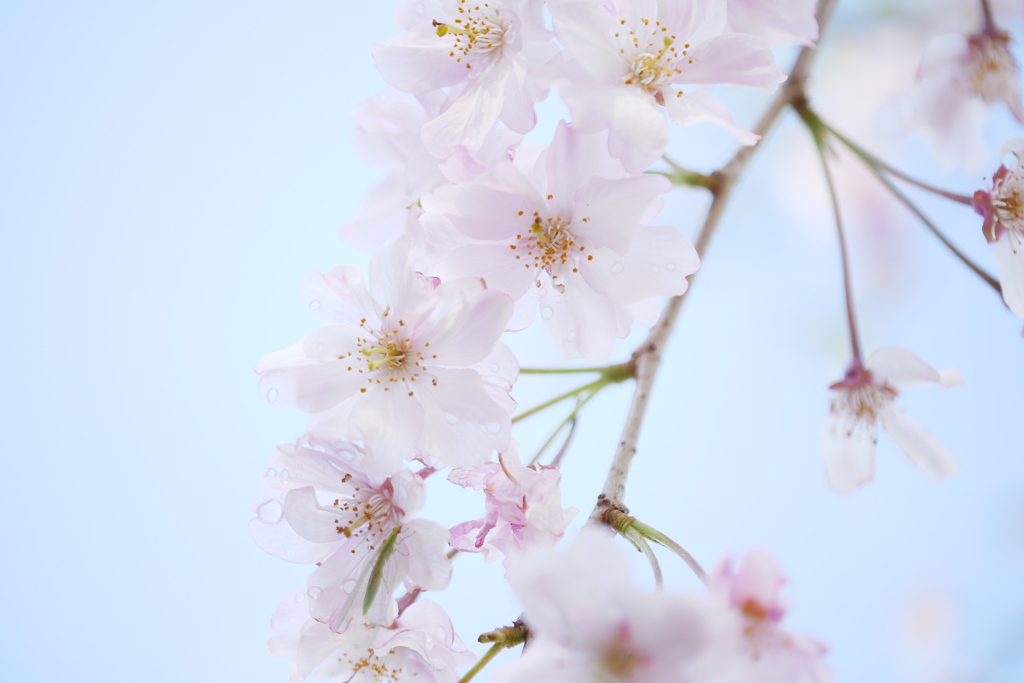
473	231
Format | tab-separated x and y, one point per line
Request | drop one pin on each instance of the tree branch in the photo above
647	357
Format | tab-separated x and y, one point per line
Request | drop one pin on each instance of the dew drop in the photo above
546	313
271	472
670	267
493	427
314	592
452	418
419	7
299	597
314	305
617	268
270	512
349	586
494	367
571	337
272	395
284	475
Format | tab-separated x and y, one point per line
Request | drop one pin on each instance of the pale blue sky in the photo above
168	173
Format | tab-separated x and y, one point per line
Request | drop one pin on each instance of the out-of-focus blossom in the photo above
524	507
959	79
765	651
1003	210
319	505
482	52
590	624
403	366
865	398
420	647
628	60
780	22
389	137
569	236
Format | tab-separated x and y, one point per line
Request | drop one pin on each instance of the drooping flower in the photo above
569	237
319	505
629	59
959	79
482	52
409	366
524	507
780	22
590	624
764	652
389	137
1003	210
419	647
864	399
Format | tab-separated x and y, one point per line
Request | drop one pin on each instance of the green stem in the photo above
661	539
570	418
596	385
878	172
482	662
561	371
877	164
643	546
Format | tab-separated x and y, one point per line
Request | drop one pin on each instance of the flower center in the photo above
654	54
619	658
480	30
1008	202
368	661
368	513
549	246
993	75
863	401
389	356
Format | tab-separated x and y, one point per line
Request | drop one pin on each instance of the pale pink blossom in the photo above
410	365
590	624
780	22
764	652
569	236
628	60
318	504
482	53
864	399
1003	210
419	647
959	79
523	504
389	137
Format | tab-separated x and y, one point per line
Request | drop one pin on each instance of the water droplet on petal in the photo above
349	586
284	474
314	592
272	395
493	427
452	418
494	367
299	597
419	7
617	268
270	512
546	313
670	267
571	337
314	305
271	472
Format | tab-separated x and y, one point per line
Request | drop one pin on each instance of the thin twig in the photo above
647	357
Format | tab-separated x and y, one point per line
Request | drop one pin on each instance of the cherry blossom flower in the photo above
780	22
409	364
360	530
590	624
420	646
960	77
1003	211
524	507
568	236
767	653
865	398
389	136
628	59
482	52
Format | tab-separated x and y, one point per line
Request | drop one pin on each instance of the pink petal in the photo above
1008	252
391	423
900	368
923	449
847	448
